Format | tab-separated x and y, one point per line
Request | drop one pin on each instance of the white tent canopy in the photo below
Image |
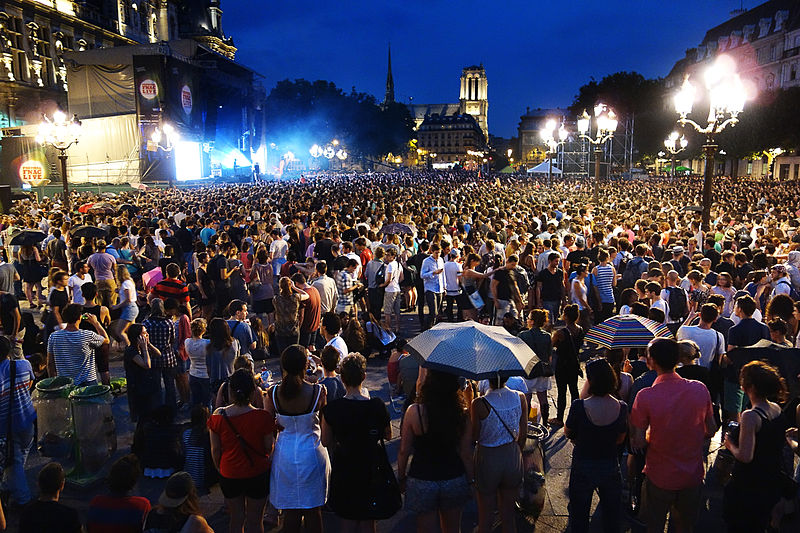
544	168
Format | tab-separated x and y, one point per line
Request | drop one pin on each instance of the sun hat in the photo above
178	487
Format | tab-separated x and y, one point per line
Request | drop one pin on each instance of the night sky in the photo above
536	53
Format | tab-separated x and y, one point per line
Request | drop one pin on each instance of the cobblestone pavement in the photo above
558	452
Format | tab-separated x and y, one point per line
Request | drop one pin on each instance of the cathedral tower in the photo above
389	96
474	99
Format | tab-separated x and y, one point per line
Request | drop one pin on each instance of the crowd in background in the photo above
192	288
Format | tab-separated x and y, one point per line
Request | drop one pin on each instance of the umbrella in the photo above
398	228
85	208
692	208
27	237
102	208
785	359
473	350
132	209
626	331
88	231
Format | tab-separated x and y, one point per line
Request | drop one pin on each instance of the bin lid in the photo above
56	384
92	392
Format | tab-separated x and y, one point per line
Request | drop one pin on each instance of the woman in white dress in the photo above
300	464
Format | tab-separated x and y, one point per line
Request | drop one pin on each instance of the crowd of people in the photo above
194	288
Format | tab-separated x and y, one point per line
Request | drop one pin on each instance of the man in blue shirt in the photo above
207	232
240	330
433	278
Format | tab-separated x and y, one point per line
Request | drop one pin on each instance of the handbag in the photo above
476	300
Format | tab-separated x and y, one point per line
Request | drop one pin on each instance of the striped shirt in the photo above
73	353
171	288
23	412
605	280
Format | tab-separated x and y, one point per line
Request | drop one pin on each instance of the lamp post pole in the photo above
62	157
727	95
598	155
673	167
606	123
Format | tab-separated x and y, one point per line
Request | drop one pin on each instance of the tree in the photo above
300	113
631	95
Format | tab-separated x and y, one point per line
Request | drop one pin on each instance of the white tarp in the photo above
543	168
107	152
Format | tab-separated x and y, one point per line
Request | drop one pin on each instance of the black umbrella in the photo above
27	237
786	360
692	208
88	232
398	228
130	208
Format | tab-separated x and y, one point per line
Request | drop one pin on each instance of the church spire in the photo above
389	97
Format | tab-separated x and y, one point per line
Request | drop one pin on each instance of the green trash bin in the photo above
51	400
95	431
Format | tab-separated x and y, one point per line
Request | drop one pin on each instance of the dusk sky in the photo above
536	53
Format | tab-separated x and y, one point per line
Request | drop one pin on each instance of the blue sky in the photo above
536	53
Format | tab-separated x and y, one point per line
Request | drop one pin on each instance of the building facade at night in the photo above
473	101
48	45
450	138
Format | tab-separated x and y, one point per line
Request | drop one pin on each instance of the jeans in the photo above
565	380
168	387
308	338
452	300
14	476
200	390
586	476
553	308
434	301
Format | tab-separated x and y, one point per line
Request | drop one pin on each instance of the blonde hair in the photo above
123	273
198	327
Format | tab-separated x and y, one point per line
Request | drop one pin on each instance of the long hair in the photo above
285	287
445	407
220	334
293	363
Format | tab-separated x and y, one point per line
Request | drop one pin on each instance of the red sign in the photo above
148	89
32	172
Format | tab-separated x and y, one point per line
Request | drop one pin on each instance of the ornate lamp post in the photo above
675	144
553	137
726	95
605	125
60	132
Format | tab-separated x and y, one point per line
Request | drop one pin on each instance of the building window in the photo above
784	171
797	171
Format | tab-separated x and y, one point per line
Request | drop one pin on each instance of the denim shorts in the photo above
129	313
423	496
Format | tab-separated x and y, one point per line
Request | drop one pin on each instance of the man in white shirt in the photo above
391	287
326	286
330	326
452	277
77	280
710	341
653	291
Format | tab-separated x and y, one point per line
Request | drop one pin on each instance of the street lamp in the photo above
675	144
606	124
60	132
726	95
552	138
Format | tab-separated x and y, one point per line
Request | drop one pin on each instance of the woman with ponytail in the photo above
241	446
301	468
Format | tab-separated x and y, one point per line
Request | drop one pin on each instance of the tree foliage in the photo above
300	113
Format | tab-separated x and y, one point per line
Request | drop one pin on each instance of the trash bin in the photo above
95	431
51	400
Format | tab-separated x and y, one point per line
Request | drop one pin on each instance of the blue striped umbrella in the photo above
626	331
473	350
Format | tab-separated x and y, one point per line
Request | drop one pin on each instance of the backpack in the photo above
793	293
380	275
521	278
678	303
632	272
409	276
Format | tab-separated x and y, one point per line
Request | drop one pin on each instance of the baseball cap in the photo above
779	268
677	249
